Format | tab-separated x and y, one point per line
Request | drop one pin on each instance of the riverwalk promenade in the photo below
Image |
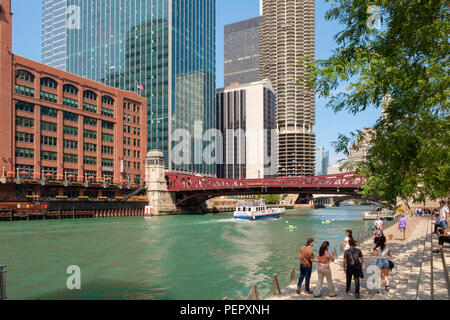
418	274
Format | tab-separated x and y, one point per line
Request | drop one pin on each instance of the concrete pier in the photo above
418	274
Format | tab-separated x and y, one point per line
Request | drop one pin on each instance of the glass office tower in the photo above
162	49
53	39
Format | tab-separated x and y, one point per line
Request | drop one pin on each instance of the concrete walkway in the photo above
411	279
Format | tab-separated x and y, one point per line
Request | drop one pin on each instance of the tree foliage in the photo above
406	60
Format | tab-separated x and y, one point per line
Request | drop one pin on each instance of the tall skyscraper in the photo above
322	161
162	49
53	39
241	51
287	34
246	118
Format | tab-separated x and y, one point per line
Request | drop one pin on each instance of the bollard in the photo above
255	293
276	286
2	282
293	275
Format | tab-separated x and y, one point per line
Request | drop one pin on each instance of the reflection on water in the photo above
178	257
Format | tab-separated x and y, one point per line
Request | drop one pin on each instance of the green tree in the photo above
407	60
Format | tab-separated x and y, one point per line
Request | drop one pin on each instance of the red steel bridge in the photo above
193	190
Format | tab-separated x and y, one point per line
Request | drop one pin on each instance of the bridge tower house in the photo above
159	197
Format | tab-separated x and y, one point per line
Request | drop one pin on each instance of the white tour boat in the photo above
256	210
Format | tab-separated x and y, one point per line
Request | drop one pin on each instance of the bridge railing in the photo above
181	182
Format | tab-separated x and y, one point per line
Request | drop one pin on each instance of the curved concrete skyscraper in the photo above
287	34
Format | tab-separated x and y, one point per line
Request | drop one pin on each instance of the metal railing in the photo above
2	282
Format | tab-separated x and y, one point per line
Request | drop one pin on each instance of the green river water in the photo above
175	257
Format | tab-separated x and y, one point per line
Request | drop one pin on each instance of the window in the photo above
90	147
69	116
90	160
108	112
48	126
24	137
24	75
88	173
24	106
71	131
51	170
107	150
107	125
68	88
108	100
107	137
88	94
25	91
107	163
48	155
70	103
49	82
70	144
50	97
24	153
71	158
24	122
89	107
49	112
90	121
88	134
48	141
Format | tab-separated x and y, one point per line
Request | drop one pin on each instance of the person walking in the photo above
383	253
442	222
402	223
354	266
442	240
306	256
324	270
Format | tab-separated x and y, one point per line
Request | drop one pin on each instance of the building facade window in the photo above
70	144
88	134
69	116
24	122
71	158
107	137
90	147
24	91
24	75
24	106
89	107
70	103
88	94
49	155
24	153
49	112
48	126
49	141
90	160
50	97
107	112
49	82
107	125
71	131
107	150
24	137
90	121
108	100
68	88
109	163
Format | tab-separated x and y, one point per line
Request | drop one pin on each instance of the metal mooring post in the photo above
2	282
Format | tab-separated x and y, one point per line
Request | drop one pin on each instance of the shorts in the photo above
441	224
383	263
402	230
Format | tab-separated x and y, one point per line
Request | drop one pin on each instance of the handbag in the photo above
391	265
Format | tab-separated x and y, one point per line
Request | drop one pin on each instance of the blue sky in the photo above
27	37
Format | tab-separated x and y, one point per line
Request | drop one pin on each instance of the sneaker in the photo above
309	292
387	288
378	291
357	296
333	295
297	290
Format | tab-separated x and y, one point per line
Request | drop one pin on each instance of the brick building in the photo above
62	126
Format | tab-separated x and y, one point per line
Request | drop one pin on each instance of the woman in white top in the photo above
348	236
383	253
